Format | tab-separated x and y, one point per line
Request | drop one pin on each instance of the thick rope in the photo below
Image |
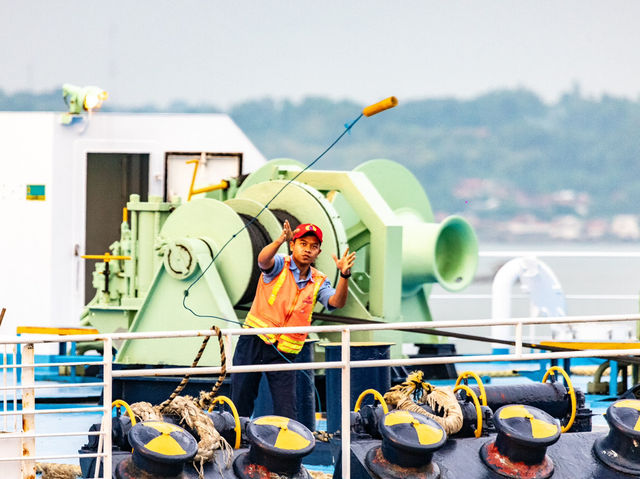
413	387
186	408
58	471
320	475
191	413
441	400
205	398
145	411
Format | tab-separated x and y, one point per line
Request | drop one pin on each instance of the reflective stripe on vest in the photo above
288	345
252	322
269	310
281	277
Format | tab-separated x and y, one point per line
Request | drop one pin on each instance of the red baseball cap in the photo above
305	229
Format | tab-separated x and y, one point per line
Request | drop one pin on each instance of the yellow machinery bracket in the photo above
219	186
105	257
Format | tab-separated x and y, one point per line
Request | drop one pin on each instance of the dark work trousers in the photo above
244	386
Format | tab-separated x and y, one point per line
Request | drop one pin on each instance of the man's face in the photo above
305	250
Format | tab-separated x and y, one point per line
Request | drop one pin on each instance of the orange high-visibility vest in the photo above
281	303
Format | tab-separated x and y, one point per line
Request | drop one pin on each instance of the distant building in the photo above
527	224
567	227
596	228
625	227
577	202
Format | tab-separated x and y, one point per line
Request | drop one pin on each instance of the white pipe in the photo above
4	383
346	404
15	381
587	353
208	370
28	408
501	287
518	340
96	471
107	401
364	364
538	280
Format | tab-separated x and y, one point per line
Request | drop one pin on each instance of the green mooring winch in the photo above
379	210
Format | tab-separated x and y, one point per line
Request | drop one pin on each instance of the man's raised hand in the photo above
286	234
345	263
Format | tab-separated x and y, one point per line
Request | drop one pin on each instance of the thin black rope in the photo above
203	272
246	225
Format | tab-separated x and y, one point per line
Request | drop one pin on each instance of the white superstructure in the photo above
42	236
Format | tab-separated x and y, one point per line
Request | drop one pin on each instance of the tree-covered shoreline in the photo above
497	156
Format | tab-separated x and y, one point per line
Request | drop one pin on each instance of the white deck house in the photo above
62	189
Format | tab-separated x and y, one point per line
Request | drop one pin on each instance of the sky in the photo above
225	52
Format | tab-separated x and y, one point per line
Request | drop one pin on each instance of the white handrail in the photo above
49	365
28	433
617	297
51	386
559	254
345	364
464	323
107	401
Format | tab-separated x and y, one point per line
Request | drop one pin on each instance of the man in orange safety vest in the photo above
285	297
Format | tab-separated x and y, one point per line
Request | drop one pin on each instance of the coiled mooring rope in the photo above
190	414
441	400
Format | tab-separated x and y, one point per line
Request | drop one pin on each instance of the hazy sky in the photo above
156	51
